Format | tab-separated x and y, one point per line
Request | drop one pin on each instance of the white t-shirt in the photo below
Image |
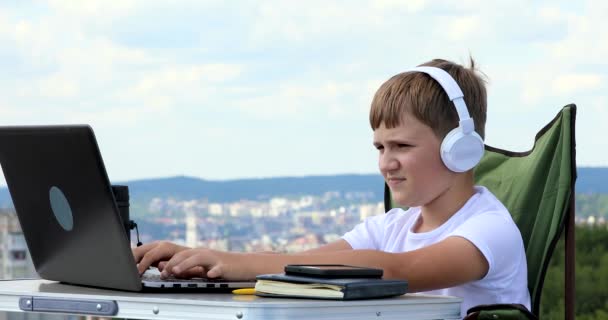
484	221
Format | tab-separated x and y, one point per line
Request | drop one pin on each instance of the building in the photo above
15	260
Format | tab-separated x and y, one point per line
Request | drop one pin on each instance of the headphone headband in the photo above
454	92
462	148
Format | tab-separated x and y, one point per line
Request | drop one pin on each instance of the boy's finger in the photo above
173	261
193	260
151	257
215	272
144	264
139	252
196	272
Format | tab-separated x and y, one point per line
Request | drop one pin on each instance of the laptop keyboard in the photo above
149	276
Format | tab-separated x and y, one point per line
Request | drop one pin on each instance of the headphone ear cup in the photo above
461	152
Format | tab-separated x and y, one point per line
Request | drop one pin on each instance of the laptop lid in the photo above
65	205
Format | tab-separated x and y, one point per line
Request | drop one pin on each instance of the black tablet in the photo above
333	271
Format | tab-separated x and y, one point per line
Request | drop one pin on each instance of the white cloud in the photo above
116	117
461	28
92	11
599	106
116	64
102	53
58	86
181	87
550	13
8	113
576	83
178	76
566	66
585	37
412	6
320	22
546	81
314	101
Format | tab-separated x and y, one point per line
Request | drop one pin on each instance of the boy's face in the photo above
410	162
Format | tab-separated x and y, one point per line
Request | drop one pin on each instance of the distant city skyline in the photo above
218	91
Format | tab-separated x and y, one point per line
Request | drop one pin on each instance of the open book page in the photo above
299	289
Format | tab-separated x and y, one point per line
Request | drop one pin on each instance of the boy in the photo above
455	239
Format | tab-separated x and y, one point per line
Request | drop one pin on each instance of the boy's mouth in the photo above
392	182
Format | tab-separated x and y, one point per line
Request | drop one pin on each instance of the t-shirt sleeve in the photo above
498	239
366	235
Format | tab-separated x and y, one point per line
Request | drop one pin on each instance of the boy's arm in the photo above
330	247
448	263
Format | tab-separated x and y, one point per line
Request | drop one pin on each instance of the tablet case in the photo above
353	288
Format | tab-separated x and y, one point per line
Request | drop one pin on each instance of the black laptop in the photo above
68	213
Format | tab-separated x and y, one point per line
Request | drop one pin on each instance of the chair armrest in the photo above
512	311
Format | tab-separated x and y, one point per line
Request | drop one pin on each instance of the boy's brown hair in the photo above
417	94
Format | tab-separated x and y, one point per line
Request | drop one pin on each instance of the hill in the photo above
186	188
232	190
590	180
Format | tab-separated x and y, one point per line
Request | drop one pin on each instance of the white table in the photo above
15	294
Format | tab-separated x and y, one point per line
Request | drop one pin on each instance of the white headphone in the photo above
462	148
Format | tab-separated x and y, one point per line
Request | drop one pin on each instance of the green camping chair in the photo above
537	187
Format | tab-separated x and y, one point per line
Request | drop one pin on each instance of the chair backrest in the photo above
537	187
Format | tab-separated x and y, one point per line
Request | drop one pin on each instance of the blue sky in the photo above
240	89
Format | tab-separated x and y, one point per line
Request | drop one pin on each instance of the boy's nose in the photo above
388	163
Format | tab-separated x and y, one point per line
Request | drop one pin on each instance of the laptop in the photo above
68	213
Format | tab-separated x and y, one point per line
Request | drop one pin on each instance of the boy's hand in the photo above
227	265
196	272
152	254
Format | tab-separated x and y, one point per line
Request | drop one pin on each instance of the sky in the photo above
225	90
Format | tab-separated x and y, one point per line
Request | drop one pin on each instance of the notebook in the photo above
289	286
68	214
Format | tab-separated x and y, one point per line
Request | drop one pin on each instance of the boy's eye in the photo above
379	147
403	145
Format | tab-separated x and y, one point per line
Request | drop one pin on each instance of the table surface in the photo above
134	305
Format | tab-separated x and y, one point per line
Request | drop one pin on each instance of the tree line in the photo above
591	295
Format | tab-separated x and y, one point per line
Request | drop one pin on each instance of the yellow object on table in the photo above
244	291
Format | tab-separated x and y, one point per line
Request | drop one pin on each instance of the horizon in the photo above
289	176
113	181
274	89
